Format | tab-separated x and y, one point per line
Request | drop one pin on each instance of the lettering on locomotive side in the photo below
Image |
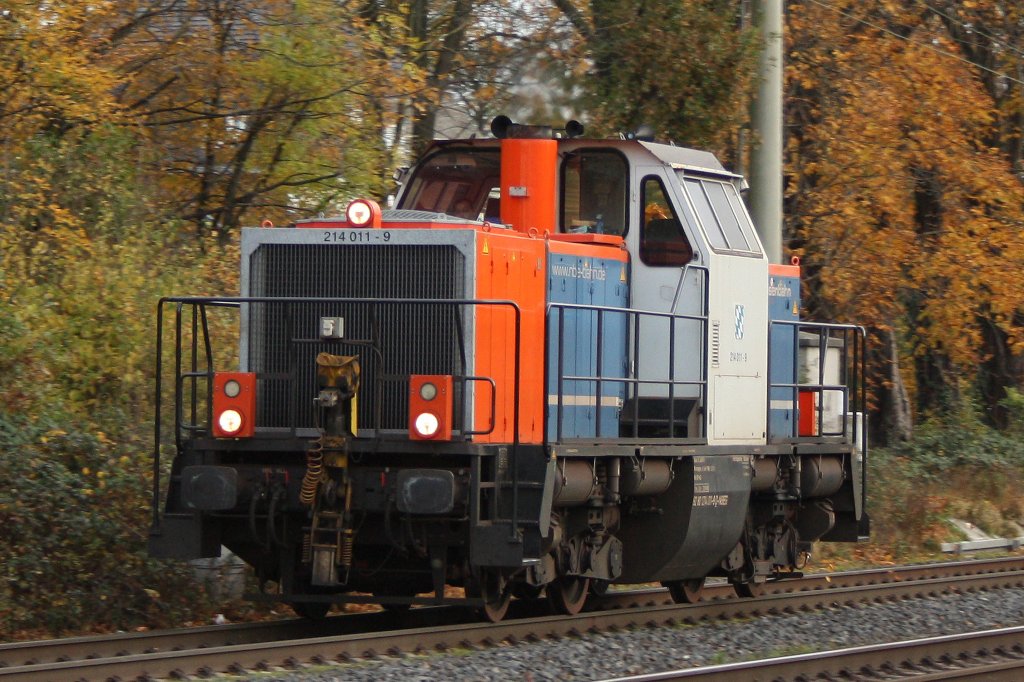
711	500
743	459
780	288
580	272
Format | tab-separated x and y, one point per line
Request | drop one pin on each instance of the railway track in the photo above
990	655
293	643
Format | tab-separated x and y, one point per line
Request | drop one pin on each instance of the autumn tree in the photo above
503	69
991	35
471	55
685	69
80	266
229	110
55	99
906	214
125	122
254	109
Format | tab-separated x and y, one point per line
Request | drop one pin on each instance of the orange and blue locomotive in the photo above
556	364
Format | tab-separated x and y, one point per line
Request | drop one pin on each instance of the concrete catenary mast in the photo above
766	154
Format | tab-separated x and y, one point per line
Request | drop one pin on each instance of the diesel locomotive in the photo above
554	364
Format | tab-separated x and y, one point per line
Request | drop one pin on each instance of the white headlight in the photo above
359	213
426	424
230	421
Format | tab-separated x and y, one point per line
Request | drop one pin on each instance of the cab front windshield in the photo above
464	183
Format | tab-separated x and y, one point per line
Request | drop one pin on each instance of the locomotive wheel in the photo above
749	590
495	592
568	594
686	591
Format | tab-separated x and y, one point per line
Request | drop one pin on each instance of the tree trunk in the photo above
441	71
1001	369
896	420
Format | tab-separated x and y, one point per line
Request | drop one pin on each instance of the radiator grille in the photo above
413	338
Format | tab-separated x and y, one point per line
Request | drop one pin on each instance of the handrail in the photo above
178	384
851	368
634	316
200	327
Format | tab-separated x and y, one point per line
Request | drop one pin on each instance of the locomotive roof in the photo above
684	157
669	154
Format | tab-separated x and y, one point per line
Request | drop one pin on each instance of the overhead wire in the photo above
927	46
973	28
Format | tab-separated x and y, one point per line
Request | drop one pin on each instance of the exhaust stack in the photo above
529	167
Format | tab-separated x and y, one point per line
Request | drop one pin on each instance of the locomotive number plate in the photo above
357	236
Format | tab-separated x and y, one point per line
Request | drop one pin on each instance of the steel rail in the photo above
287	643
990	655
97	646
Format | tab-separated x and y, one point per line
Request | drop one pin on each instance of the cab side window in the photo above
722	215
594	192
662	241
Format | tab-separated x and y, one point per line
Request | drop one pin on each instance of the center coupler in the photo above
331	536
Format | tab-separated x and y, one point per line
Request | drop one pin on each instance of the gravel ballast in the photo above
647	650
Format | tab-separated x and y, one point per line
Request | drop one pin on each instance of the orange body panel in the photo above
529	170
780	270
510	266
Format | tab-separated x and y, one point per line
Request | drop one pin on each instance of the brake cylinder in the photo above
645	477
821	476
575	483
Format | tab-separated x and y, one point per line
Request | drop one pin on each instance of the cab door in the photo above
737	311
668	278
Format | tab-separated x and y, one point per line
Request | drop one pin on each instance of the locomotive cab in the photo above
557	363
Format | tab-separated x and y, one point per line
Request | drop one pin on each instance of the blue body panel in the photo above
573	346
783	304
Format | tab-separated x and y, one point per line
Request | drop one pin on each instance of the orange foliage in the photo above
907	218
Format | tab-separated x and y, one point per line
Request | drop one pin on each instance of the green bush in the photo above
961	441
76	404
957	469
73	527
1014	405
